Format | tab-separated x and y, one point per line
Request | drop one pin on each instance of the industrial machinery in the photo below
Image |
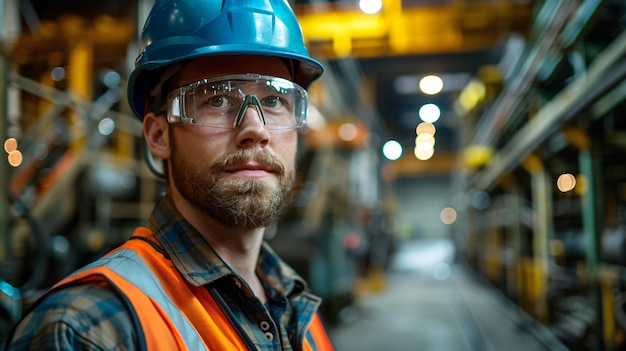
542	173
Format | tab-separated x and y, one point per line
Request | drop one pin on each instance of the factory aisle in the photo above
430	304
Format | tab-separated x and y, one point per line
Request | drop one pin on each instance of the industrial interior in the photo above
495	222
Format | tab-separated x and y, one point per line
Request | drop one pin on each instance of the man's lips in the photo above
249	170
248	164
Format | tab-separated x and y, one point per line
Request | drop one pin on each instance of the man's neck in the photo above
241	255
239	248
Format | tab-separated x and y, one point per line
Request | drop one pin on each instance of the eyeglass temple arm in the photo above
157	169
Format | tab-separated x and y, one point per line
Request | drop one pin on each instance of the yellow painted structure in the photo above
461	26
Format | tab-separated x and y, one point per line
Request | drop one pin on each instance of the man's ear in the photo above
156	136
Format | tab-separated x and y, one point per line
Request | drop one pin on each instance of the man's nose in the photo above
251	129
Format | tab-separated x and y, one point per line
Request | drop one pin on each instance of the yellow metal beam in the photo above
57	38
458	27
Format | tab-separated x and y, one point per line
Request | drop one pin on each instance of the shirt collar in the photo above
201	265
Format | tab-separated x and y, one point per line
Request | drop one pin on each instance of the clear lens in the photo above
222	102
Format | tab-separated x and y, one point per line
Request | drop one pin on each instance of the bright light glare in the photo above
423	155
426	139
370	6
424	145
430	113
431	84
425	128
392	150
566	182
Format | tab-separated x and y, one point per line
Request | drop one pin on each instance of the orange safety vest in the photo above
172	314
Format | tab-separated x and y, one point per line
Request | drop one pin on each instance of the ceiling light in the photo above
423	155
430	113
425	128
370	7
392	150
431	84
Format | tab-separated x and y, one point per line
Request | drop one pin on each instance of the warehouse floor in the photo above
430	303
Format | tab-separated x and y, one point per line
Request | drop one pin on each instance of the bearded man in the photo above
220	87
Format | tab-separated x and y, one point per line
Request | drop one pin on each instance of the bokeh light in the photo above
431	84
10	145
57	74
429	113
425	141
448	215
370	6
423	155
347	132
566	182
15	158
392	150
106	126
425	128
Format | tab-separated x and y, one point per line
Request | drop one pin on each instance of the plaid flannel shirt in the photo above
93	317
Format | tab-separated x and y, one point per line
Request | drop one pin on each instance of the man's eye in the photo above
217	101
272	101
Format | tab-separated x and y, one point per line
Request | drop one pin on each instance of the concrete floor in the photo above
428	303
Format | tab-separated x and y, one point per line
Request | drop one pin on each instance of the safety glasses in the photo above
222	102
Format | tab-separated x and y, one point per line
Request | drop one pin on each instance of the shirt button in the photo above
264	325
269	336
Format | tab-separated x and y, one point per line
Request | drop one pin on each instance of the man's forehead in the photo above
216	66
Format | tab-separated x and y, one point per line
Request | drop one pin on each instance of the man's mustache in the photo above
263	158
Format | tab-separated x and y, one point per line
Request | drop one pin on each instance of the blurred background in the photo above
462	178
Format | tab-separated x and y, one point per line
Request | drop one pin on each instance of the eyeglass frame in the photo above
180	92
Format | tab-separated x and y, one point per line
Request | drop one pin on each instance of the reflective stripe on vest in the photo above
320	337
142	309
174	309
128	265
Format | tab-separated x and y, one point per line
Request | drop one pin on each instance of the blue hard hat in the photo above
179	30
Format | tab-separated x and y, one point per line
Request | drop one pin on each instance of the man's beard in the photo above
243	203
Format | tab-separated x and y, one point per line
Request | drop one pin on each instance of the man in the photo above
219	86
